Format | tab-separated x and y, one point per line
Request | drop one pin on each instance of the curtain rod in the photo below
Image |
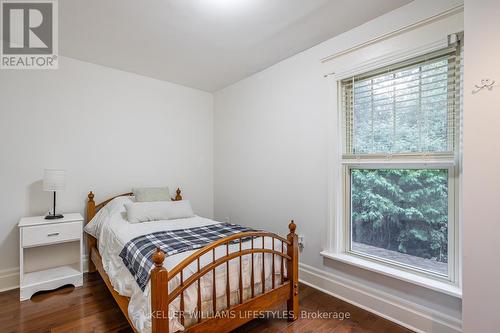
393	33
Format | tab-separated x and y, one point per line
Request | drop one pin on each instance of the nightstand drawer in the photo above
51	233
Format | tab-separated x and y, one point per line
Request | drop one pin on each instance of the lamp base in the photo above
54	217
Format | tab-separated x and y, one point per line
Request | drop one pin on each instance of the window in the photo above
400	163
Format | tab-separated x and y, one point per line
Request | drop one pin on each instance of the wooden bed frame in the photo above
242	312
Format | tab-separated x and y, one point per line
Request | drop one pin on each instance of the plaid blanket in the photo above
138	252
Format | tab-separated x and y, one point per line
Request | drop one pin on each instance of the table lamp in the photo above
55	181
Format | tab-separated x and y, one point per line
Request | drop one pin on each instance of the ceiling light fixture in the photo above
226	5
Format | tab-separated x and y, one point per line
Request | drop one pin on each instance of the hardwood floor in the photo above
92	309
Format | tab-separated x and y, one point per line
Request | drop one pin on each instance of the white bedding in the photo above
114	231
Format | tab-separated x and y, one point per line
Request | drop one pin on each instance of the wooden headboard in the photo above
92	209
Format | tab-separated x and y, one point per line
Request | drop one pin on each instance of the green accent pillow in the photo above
148	194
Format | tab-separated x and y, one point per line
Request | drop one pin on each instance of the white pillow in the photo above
158	210
114	206
94	226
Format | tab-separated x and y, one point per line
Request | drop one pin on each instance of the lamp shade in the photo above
54	180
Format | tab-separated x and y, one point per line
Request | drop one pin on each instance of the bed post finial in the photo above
158	257
90	206
178	196
159	294
293	271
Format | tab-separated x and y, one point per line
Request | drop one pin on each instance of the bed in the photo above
218	287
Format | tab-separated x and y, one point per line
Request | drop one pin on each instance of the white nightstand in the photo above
50	253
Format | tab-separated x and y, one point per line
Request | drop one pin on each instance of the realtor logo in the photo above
29	34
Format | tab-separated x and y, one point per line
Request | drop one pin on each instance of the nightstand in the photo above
50	253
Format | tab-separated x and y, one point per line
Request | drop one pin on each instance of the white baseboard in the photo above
401	311
9	278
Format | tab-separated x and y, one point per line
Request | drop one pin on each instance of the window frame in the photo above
452	215
337	240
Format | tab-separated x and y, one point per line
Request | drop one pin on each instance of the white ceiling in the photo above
204	44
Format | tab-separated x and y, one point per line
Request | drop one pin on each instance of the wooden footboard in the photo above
244	310
233	314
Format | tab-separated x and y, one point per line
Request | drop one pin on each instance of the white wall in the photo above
271	165
109	129
481	309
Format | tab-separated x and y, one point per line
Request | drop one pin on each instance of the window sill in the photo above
440	286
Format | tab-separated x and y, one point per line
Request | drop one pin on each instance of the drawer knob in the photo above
53	234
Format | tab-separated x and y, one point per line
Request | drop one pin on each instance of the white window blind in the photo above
411	107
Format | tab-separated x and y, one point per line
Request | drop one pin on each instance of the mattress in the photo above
113	231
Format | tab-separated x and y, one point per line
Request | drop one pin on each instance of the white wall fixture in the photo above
485	84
